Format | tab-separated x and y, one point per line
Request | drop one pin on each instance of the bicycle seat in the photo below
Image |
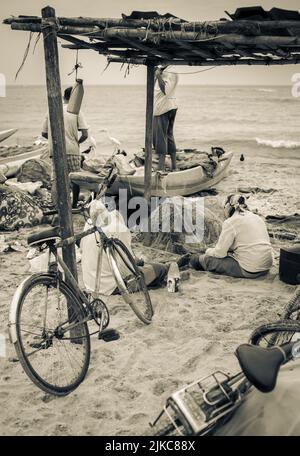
37	239
260	365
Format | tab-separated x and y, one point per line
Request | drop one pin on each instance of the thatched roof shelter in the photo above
250	36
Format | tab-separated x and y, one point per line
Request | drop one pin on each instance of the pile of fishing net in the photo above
183	225
35	170
186	159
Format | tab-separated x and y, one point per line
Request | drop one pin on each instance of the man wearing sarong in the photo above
73	124
165	109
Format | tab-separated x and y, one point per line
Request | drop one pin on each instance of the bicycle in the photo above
202	407
283	330
49	315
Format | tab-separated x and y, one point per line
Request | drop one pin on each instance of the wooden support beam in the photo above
217	62
82	43
149	140
146	49
245	27
56	119
35	27
205	54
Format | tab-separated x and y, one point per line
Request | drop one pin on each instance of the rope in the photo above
36	42
77	65
192	72
25	55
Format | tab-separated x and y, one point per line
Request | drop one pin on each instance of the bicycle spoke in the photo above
51	352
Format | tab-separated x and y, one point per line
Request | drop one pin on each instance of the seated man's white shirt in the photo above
245	237
117	229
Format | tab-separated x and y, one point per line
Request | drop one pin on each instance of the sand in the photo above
193	333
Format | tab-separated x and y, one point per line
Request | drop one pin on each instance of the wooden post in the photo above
56	119
149	140
148	132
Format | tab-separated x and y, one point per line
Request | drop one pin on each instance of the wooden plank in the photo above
58	134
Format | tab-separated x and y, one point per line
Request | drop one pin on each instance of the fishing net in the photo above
182	225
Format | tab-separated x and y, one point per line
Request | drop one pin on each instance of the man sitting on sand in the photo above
243	249
113	225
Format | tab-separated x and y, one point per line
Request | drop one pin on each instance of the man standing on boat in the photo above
165	109
73	123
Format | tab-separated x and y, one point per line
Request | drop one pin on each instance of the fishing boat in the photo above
10	165
7	133
185	182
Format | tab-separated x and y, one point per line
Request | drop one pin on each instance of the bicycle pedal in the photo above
108	335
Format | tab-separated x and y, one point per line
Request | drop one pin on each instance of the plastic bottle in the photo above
173	280
76	97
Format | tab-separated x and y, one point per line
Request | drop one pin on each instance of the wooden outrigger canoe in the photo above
185	182
7	133
10	165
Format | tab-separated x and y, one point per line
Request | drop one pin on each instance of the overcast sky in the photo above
13	43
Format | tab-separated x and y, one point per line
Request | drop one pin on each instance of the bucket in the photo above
289	265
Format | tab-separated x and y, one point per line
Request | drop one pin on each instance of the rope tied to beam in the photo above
52	22
25	55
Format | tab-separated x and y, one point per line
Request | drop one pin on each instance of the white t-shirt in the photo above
245	237
73	123
89	258
165	102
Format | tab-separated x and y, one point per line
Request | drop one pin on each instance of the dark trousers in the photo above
226	266
163	138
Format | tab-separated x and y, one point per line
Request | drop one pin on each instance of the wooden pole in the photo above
148	131
149	140
56	119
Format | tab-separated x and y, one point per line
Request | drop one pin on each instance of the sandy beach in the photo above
193	333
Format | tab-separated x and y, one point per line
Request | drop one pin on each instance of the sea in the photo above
245	119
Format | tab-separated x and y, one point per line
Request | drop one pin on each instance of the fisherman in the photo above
112	223
73	123
243	248
165	109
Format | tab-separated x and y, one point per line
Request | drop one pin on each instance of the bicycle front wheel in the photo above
277	333
130	280
51	336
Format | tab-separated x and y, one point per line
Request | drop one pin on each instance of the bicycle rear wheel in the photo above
277	333
130	280
292	309
55	360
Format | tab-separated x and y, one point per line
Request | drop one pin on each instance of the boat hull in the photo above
7	133
182	183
